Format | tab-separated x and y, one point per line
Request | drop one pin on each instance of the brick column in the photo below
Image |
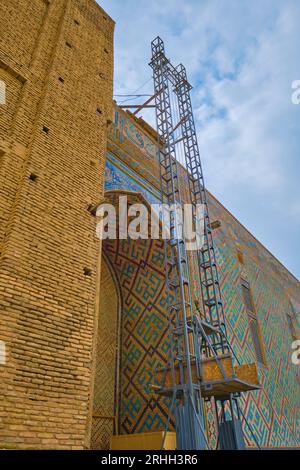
57	64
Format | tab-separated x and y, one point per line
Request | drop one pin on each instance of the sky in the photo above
241	58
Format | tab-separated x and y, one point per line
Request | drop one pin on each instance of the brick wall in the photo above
56	60
106	388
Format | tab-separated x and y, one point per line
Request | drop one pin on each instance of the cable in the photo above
200	424
147	81
133	93
250	428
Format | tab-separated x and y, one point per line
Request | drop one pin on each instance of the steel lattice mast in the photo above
193	334
185	348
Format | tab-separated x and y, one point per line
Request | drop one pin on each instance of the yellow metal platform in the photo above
144	441
215	380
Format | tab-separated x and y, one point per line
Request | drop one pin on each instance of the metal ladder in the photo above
212	305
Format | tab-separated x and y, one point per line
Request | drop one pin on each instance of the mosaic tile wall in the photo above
273	412
118	175
144	336
106	376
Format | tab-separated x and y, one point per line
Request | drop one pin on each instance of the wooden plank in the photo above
211	370
223	389
238	379
144	441
247	373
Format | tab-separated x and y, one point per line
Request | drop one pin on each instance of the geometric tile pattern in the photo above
272	412
144	331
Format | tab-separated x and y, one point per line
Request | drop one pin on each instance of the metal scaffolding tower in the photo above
197	330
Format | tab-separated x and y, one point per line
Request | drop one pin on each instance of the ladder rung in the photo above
174	262
207	264
206	248
173	241
178	225
212	303
172	193
179	331
167	180
209	282
180	303
177	284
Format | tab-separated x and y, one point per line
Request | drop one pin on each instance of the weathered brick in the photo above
50	131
